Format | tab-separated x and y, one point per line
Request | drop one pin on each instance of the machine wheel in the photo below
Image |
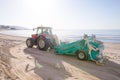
43	44
81	55
29	43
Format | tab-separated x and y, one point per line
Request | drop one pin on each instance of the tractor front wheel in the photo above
43	44
29	43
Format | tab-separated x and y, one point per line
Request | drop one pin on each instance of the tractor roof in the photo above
45	27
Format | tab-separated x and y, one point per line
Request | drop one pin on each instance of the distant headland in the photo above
7	27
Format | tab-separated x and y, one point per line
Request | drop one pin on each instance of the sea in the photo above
112	36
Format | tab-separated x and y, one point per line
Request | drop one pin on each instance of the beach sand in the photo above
17	62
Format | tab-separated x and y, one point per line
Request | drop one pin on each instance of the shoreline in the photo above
12	35
54	67
104	37
28	37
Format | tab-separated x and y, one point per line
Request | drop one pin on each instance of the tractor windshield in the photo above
47	31
44	31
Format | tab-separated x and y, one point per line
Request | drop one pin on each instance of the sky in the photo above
61	14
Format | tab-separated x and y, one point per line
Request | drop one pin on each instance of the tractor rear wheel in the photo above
43	44
81	55
29	43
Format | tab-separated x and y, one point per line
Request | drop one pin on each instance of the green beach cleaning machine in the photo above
87	48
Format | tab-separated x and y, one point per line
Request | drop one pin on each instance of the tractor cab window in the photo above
47	31
39	31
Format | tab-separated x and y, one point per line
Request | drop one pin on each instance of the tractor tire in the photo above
43	44
29	43
81	55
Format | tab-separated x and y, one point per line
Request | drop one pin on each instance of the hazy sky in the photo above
68	14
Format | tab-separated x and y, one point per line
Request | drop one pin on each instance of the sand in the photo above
17	62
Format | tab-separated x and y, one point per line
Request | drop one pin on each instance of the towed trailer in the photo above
87	48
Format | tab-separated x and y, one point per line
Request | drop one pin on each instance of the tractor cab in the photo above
44	31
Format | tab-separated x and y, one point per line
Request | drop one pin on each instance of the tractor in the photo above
87	48
43	39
